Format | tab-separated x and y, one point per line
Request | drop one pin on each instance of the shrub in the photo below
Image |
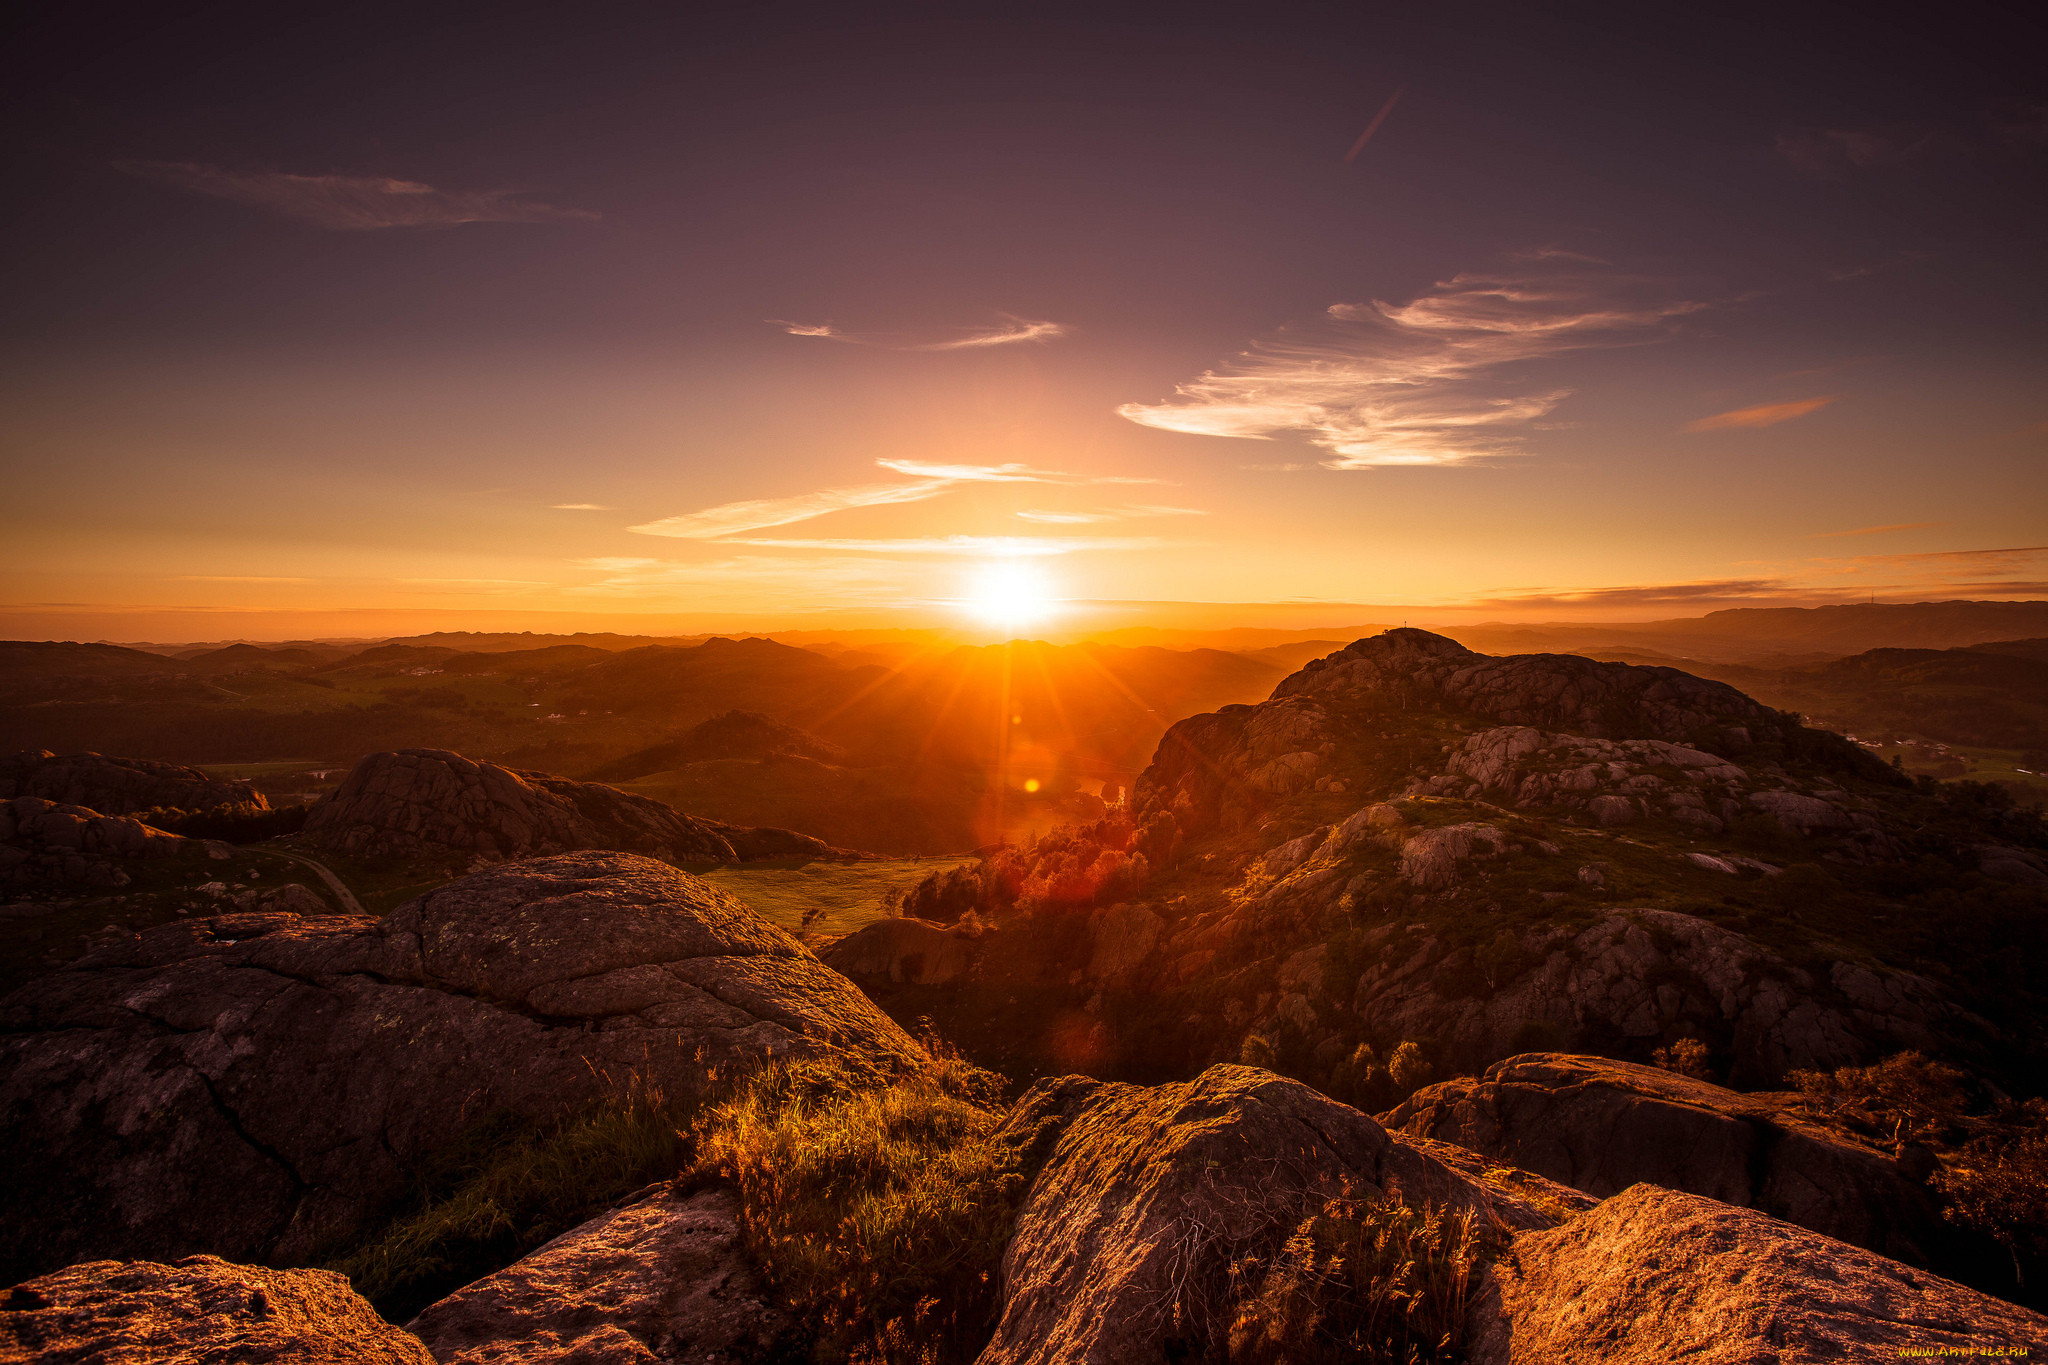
1904	1098
1687	1057
879	1207
1998	1185
1363	1281
1409	1069
503	1190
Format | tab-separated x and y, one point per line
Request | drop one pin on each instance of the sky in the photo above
339	319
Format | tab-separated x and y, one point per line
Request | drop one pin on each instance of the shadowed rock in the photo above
202	1310
44	842
432	802
665	1279
1653	1276
257	1085
117	786
1148	1194
1602	1126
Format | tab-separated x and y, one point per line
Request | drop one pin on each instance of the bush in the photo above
1364	1281
1687	1057
880	1208
504	1190
240	822
1998	1185
1905	1098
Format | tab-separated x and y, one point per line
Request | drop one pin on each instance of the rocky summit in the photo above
430	802
255	1085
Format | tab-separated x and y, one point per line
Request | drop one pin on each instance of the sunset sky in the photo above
338	320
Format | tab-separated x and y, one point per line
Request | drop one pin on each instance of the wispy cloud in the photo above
1423	383
1831	153
811	579
580	507
1705	593
353	203
1007	332
1026	547
1763	415
1129	512
1876	530
233	578
932	480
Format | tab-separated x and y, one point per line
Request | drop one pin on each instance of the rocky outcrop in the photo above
1596	725
1602	1126
1641	976
1149	1193
46	843
1652	1276
202	1310
155	1093
665	1279
431	802
1413	670
904	951
117	786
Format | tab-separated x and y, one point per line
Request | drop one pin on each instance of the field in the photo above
817	898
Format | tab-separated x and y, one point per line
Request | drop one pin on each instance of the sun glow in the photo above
1011	595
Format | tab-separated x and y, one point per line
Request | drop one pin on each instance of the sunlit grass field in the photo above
822	897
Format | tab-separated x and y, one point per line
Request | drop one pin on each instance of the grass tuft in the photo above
880	1209
1365	1282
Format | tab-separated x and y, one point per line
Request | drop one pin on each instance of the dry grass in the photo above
1372	1282
880	1207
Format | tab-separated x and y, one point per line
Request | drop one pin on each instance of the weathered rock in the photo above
1149	1193
47	843
415	802
1120	939
1430	858
201	1310
1602	1126
117	786
156	1093
1653	1276
665	1279
901	950
1640	976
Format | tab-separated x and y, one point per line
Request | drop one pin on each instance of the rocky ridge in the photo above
433	802
117	786
155	1091
51	843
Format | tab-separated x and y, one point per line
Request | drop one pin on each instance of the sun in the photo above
1011	596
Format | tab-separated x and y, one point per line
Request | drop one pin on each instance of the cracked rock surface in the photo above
665	1279
256	1085
1652	1276
117	786
1149	1192
201	1310
1601	1126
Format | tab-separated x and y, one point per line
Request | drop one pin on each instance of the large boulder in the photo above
1652	1276
117	786
902	949
664	1279
1602	1126
258	1085
200	1310
49	843
432	802
1147	1196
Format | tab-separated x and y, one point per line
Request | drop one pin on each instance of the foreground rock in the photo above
44	843
433	803
201	1309
665	1279
117	786
1652	1276
257	1085
1602	1126
1124	1243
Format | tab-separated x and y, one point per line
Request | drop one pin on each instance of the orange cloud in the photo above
1876	530
1763	415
